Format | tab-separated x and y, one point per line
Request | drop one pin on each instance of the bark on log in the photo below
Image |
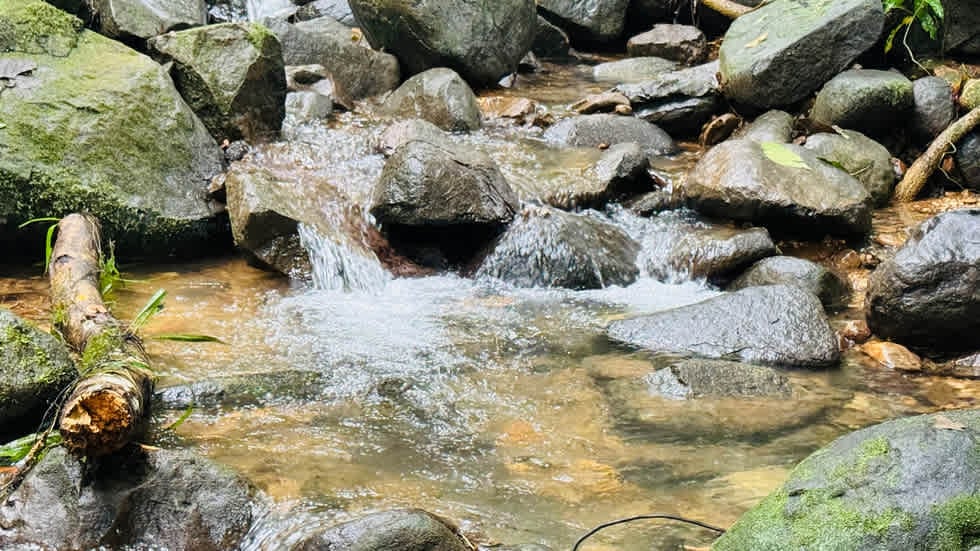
110	404
927	163
728	8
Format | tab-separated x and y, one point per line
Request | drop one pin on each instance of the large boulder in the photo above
968	159
34	369
786	270
775	324
926	296
678	101
787	49
356	70
906	484
142	19
133	499
232	75
587	21
439	96
482	40
738	180
866	100
596	130
404	530
91	125
545	247
860	156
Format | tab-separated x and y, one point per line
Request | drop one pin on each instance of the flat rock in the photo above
679	101
595	21
142	19
403	529
632	69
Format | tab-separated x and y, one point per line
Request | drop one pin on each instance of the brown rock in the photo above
856	331
893	356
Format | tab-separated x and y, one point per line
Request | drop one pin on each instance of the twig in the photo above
595	530
923	167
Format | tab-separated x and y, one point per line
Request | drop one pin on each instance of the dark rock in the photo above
596	130
775	324
587	22
925	297
652	202
620	170
698	378
968	159
786	270
142	19
737	180
334	9
906	484
439	96
402	132
785	50
632	69
133	499
482	40
682	43
679	101
404	530
934	107
549	40
34	369
356	70
860	156
545	247
866	100
771	126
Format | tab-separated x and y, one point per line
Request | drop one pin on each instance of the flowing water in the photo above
502	408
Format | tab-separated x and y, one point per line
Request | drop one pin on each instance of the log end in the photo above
98	424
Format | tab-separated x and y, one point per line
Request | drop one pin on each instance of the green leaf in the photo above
12	452
890	41
929	24
835	164
781	154
35	220
154	305
180	420
49	246
936	6
890	5
185	337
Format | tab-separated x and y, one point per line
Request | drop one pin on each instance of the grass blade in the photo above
186	337
154	305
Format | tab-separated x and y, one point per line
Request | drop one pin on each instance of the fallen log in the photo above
918	174
109	405
728	8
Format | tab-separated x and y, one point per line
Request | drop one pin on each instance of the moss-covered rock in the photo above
34	368
907	484
142	19
98	127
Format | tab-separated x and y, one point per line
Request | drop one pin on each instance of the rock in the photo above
439	96
545	247
699	378
905	484
587	22
970	95
549	40
404	530
34	369
892	356
334	9
775	324
737	180
520	110
855	331
934	107
621	169
603	102
771	126
232	75
652	203
785	50
482	40
679	101
402	132
301	77
100	128
682	43
968	159
308	106
138	20
925	297
866	100
719	129
356	70
595	130
632	69
134	499
861	156
786	270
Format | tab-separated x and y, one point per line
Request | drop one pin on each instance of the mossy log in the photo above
109	405
927	163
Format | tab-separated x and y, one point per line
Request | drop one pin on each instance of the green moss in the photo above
258	34
958	524
35	27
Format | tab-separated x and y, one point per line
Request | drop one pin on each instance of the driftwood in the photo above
109	405
728	8
927	163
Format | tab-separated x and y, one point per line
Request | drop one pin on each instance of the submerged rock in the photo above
866	100
404	530
620	170
402	132
439	96
925	297
545	247
699	378
587	22
906	484
142	19
786	270
596	130
775	324
862	157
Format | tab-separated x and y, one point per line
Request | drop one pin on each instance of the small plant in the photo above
927	13
49	238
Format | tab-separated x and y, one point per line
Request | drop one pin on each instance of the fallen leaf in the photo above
783	155
945	423
758	40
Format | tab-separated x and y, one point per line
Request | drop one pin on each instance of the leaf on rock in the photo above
783	155
945	423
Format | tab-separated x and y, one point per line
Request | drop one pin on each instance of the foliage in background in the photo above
927	13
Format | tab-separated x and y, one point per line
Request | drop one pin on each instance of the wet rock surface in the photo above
859	155
632	69
679	101
439	96
786	270
587	22
682	43
934	107
968	160
866	100
406	530
771	126
596	130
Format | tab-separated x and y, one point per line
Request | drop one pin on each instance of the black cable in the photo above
595	530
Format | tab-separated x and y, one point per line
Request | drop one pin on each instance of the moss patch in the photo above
958	524
35	27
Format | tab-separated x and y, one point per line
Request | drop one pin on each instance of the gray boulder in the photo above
595	130
785	50
142	19
549	40
402	132
682	43
737	180
860	156
34	369
771	126
632	69
591	21
679	101
482	40
404	530
232	75
934	107
866	100
545	247
95	126
357	71
906	484
439	96
308	105
786	270
926	296
968	159
775	324
133	499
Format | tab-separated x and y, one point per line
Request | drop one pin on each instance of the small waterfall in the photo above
339	266
257	9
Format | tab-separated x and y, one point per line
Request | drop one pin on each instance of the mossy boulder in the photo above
908	484
142	19
34	368
96	126
232	75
